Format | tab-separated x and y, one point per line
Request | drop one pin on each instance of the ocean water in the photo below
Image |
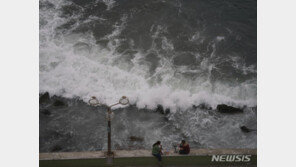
173	53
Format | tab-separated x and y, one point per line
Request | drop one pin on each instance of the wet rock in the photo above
59	103
167	111
228	109
246	129
46	112
254	108
135	138
44	98
203	106
161	110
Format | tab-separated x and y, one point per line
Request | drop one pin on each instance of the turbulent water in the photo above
173	53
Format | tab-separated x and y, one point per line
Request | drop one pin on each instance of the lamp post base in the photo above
109	158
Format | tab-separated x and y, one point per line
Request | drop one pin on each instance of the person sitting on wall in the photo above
184	147
156	150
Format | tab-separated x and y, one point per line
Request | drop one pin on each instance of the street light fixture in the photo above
95	102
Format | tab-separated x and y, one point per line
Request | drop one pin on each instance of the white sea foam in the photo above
94	71
220	38
110	3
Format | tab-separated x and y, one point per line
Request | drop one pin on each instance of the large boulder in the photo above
59	103
161	110
44	98
203	106
228	109
45	112
246	129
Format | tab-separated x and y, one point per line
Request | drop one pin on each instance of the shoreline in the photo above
67	125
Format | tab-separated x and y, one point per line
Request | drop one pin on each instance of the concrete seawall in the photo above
197	157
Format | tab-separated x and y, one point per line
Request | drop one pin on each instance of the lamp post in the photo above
95	102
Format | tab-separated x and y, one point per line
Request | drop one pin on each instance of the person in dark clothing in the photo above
184	147
156	150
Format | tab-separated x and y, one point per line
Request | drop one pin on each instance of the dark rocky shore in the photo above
73	125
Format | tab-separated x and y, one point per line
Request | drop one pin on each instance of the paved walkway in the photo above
139	153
